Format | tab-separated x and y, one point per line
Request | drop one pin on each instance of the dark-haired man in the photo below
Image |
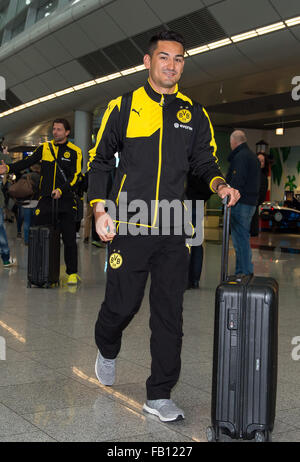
165	134
61	163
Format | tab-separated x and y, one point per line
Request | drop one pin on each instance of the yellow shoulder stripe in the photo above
184	98
111	105
212	141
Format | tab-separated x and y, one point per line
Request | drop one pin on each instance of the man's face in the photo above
165	65
60	134
233	144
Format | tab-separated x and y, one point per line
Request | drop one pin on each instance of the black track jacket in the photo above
68	156
166	136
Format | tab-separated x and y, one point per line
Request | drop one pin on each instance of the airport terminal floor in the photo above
48	388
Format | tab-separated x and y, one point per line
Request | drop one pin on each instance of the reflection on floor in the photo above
48	389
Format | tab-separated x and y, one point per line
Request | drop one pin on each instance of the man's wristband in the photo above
220	184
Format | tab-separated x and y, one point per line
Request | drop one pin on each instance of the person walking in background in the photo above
264	165
244	175
4	247
196	190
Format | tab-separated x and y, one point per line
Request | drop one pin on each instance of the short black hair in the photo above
166	35
65	123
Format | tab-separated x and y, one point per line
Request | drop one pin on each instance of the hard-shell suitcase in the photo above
245	354
44	253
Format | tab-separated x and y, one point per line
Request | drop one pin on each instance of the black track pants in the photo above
131	259
67	226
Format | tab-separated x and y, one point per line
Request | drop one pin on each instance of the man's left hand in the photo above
56	194
234	194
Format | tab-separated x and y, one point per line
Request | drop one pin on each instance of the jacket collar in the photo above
57	145
163	99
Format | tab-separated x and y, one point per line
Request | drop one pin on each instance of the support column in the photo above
83	134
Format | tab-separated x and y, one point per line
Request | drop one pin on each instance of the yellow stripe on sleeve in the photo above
110	108
213	141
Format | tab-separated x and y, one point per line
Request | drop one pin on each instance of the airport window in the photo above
22	4
3	11
18	26
46	7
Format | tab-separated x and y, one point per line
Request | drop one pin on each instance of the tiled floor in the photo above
48	389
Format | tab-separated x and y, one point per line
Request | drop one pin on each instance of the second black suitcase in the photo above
44	254
245	355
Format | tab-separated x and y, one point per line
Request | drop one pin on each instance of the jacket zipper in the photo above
121	187
162	101
54	176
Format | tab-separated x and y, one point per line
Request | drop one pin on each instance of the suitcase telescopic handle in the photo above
225	241
54	213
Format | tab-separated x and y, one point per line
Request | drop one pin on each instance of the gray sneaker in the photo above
105	370
165	409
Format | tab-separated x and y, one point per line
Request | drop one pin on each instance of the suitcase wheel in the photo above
211	435
261	437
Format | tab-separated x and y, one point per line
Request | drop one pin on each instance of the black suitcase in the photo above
44	253
245	354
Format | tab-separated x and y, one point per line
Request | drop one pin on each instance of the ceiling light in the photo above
293	21
195	51
116	75
101	79
271	28
64	92
129	71
47	97
32	103
219	43
245	36
140	68
84	85
279	131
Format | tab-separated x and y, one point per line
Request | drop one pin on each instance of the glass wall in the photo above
46	7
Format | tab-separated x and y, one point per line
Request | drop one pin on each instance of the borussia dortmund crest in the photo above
115	260
184	116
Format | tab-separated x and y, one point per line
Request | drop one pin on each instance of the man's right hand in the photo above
105	227
3	168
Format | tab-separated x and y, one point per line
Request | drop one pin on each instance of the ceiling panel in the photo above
54	80
167	11
198	28
97	64
124	54
262	50
239	16
10	77
229	59
73	73
101	28
34	60
74	40
133	16
287	8
37	87
211	2
19	68
192	75
296	31
23	93
54	50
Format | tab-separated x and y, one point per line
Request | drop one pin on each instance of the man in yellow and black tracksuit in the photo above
61	163
161	136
